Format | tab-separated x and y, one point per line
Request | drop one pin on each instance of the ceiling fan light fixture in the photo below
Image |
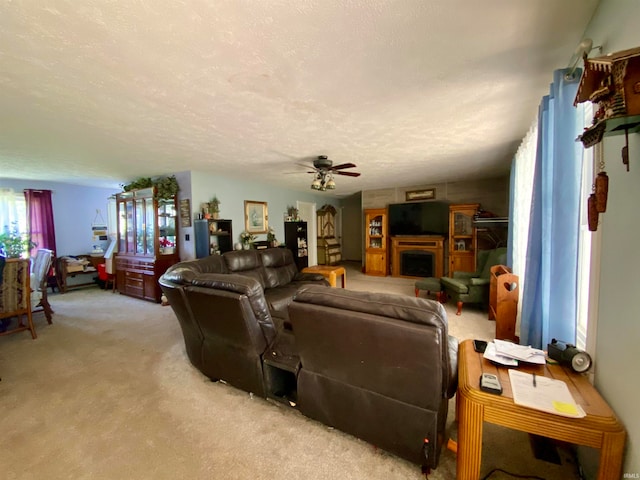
316	185
331	185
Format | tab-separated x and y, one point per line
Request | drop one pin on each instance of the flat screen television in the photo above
419	218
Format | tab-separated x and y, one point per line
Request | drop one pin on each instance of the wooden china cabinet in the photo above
463	242
147	242
376	242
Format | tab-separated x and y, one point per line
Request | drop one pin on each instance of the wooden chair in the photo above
39	282
15	296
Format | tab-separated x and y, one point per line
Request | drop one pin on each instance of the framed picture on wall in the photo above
256	218
425	194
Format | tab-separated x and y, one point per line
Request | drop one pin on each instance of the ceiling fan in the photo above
324	171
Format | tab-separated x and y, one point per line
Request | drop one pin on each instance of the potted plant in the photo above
271	237
14	244
214	207
292	213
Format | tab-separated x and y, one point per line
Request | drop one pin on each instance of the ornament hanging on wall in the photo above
602	191
592	213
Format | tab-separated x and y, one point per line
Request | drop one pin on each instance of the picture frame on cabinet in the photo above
256	217
424	194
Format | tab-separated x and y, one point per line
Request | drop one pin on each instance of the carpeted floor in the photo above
107	392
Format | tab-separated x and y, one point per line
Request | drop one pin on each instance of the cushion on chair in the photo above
432	284
454	285
497	256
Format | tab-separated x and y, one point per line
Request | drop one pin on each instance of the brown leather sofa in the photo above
378	366
231	307
381	367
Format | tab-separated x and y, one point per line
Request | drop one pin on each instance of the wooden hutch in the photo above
329	249
147	241
463	242
376	242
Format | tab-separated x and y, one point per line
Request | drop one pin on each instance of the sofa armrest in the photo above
478	281
463	275
453	366
309	277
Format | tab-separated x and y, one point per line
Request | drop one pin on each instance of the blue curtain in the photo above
550	284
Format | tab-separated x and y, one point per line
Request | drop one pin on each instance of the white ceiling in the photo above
411	91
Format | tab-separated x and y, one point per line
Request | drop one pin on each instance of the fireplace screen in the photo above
416	263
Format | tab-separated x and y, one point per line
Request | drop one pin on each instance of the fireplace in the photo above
416	263
415	257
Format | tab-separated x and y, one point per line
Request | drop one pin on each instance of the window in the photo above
588	253
13	210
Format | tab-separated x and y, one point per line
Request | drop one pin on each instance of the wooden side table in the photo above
599	429
329	272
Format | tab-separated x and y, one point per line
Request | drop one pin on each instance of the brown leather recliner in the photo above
222	303
378	366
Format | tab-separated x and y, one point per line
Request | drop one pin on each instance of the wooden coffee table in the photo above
330	273
599	429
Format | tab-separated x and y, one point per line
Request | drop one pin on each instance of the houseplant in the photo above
247	239
14	244
271	237
166	187
214	207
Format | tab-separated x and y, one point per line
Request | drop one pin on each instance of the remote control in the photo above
490	383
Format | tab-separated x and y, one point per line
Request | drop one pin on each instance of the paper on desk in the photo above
548	395
520	352
491	354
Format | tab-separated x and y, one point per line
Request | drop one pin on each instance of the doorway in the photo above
307	213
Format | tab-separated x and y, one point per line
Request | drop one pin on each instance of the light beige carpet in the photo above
107	392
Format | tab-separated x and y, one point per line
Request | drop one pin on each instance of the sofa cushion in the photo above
497	256
410	309
279	266
247	263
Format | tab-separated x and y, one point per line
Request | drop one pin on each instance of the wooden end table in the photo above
329	272
599	429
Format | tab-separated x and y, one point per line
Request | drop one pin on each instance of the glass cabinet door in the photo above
167	226
149	227
375	232
462	224
129	227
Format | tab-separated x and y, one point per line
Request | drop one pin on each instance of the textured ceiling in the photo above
412	91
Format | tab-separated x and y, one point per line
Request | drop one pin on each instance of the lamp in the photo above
316	185
323	181
331	185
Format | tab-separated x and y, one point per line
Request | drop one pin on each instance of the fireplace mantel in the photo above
428	243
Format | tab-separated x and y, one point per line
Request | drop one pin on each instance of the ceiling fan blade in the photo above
343	165
348	174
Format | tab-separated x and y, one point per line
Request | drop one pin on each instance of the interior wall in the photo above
352	227
491	193
75	209
232	193
615	26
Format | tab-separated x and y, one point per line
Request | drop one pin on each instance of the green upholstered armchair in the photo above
473	287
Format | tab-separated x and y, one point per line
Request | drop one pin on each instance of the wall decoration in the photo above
256	217
185	213
424	194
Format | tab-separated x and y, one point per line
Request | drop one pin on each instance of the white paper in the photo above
491	354
520	352
545	394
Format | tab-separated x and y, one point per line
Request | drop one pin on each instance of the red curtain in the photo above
40	219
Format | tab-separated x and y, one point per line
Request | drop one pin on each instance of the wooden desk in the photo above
329	272
599	429
91	273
